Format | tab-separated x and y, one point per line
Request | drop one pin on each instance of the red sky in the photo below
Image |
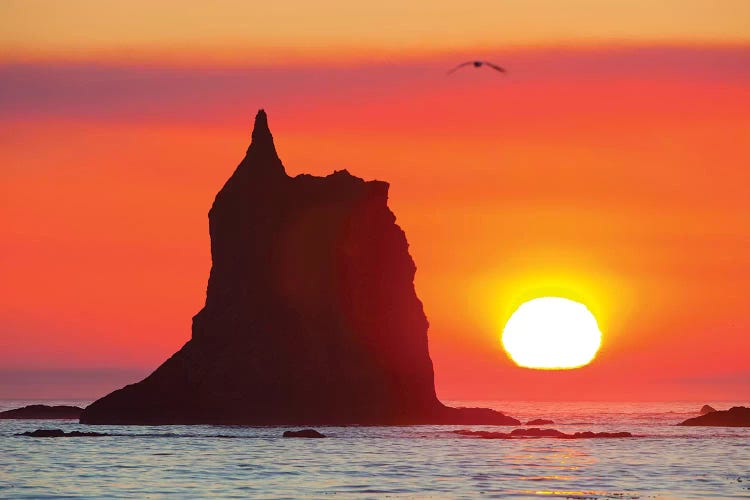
609	165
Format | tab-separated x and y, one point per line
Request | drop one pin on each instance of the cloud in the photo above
211	95
74	383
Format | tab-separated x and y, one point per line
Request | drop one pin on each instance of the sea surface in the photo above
662	461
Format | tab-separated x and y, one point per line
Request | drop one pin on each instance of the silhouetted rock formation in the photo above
738	416
40	412
55	433
310	318
541	433
304	433
707	409
540	421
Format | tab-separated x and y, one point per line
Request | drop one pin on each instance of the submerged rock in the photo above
60	433
738	416
706	409
541	433
311	316
304	433
606	435
41	412
483	434
536	432
540	421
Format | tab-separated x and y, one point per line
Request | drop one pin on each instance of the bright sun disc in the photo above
552	333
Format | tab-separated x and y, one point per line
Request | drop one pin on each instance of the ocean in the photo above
661	461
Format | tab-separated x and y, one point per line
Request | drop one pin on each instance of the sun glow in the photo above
552	333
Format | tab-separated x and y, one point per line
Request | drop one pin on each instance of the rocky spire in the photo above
261	153
311	316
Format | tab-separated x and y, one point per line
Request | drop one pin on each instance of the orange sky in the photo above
609	166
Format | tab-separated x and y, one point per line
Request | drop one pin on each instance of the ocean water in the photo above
662	461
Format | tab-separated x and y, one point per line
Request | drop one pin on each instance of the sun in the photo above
552	333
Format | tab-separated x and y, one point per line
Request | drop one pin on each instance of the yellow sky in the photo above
233	29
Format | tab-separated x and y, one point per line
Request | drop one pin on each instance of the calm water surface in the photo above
663	461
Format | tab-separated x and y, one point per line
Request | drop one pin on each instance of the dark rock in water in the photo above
483	434
53	433
311	316
738	416
706	409
540	421
468	416
44	433
304	433
536	432
40	412
541	433
595	435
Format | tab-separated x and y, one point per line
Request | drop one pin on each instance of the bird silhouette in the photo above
477	64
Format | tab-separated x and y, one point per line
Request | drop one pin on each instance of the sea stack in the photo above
40	412
737	416
311	316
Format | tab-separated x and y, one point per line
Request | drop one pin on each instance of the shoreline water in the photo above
662	461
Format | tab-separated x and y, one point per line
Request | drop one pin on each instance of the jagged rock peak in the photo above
261	132
311	316
262	151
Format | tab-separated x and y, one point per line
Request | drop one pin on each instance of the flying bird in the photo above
477	64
